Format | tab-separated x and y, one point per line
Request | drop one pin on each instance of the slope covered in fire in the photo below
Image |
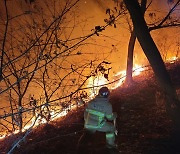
143	125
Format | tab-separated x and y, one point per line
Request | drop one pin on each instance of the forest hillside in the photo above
142	123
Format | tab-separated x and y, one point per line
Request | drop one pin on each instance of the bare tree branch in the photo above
4	40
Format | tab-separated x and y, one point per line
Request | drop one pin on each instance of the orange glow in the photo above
96	83
121	75
2	136
38	122
172	59
137	69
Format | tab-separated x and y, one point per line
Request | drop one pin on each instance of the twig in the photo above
17	144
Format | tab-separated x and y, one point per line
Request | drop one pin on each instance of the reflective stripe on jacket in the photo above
97	111
100	115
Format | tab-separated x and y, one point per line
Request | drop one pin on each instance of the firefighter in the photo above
98	116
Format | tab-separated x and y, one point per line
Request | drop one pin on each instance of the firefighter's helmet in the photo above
104	91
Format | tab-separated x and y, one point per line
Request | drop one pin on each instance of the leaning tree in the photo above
153	55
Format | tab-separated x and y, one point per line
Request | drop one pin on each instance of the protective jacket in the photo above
97	112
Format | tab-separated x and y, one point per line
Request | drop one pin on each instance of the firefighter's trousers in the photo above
109	129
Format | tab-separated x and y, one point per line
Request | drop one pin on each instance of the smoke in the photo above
103	5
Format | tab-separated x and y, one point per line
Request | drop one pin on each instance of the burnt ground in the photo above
143	125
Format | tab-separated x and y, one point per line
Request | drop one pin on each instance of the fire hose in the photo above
115	126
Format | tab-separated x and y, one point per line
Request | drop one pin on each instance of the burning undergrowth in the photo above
143	125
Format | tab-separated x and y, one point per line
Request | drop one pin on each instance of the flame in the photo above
96	83
137	69
41	120
121	75
172	59
38	121
2	136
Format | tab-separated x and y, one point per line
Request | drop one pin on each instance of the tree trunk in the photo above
155	59
129	68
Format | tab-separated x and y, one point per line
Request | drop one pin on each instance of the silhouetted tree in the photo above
165	22
155	59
